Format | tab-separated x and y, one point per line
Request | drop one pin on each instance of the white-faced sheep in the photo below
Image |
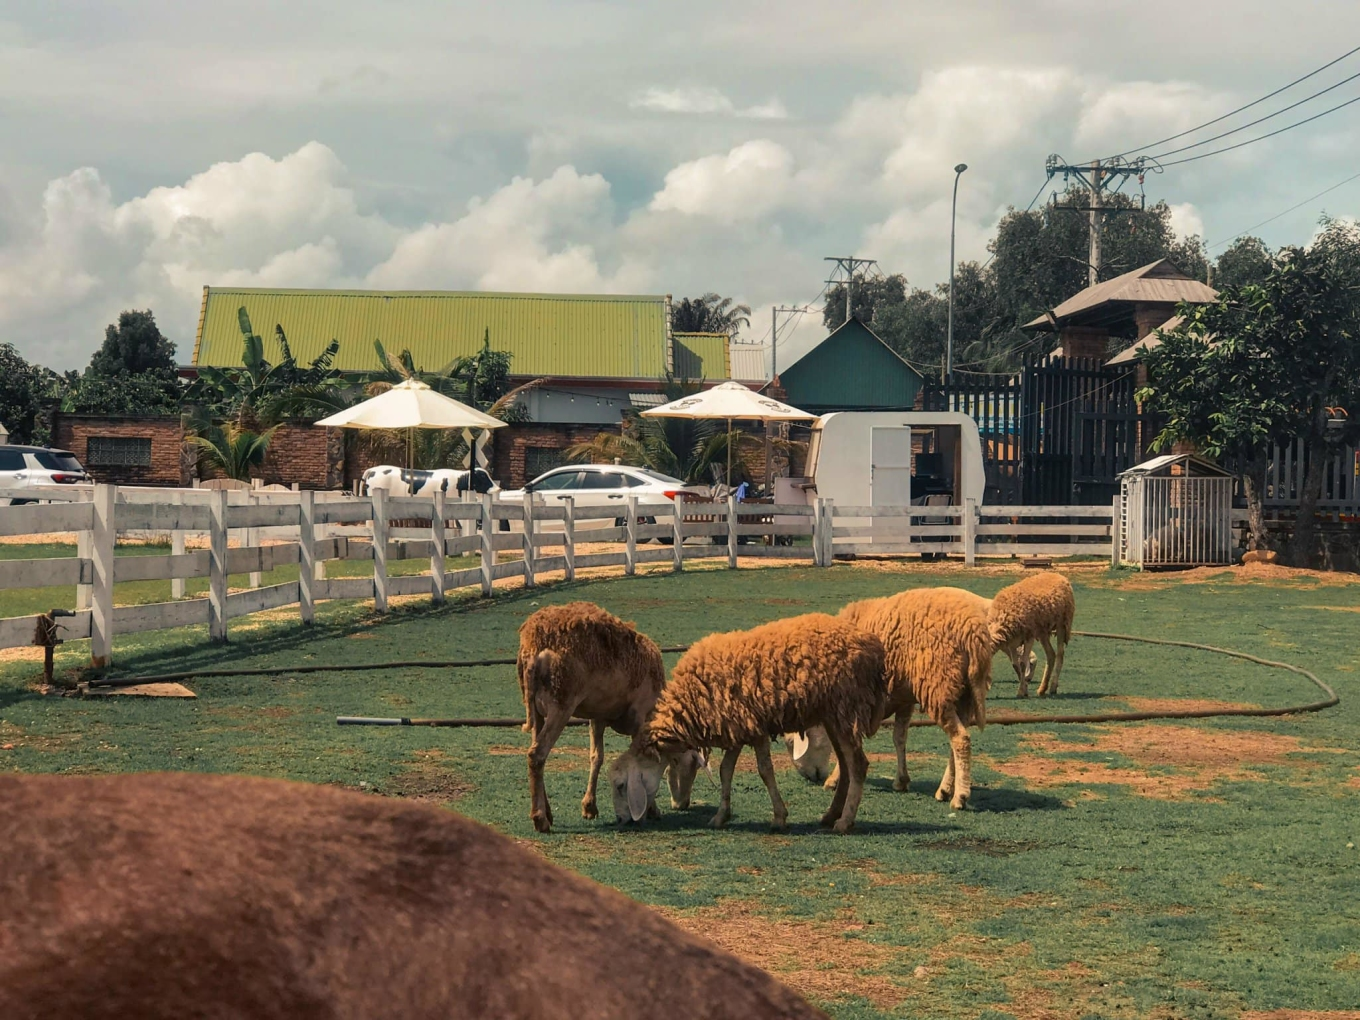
1039	608
939	656
162	896
576	660
731	690
810	753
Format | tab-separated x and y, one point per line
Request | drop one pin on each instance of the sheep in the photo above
578	660
810	752
938	655
730	690
163	896
1039	607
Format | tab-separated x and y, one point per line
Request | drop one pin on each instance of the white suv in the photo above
25	467
598	485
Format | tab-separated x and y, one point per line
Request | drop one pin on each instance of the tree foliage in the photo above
710	313
233	449
132	373
23	392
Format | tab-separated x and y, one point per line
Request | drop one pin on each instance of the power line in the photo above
1261	138
1253	123
1042	188
1286	212
1248	106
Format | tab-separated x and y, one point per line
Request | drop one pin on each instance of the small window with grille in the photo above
538	459
118	451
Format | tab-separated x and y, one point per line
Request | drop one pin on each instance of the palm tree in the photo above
709	313
233	449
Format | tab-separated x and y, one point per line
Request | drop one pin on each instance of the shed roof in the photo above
1130	354
1112	301
1165	464
571	335
852	369
702	356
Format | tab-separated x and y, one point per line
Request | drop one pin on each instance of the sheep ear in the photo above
800	746
703	760
637	794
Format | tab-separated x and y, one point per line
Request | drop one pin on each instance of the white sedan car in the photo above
598	485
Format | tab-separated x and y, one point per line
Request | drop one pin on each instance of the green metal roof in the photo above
547	334
702	356
852	369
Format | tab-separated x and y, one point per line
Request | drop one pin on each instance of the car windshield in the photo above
57	460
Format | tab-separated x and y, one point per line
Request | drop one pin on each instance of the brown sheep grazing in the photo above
1039	607
730	690
163	896
810	753
577	660
939	656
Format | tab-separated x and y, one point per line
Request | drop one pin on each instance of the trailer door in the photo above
890	466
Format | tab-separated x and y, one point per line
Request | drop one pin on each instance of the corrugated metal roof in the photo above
702	356
852	369
750	362
571	335
647	399
1156	282
1130	354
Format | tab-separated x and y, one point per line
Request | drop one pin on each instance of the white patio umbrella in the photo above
411	405
731	401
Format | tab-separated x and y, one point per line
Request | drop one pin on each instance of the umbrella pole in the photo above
729	453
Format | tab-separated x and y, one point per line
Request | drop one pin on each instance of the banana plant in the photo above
233	449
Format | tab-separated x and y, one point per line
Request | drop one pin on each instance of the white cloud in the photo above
750	181
699	100
1186	220
1119	115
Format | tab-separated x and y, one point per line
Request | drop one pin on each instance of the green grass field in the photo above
1161	869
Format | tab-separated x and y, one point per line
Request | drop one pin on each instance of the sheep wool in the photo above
1040	607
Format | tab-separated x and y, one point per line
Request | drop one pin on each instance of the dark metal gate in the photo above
1057	432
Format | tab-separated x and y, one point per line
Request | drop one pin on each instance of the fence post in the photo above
569	536
380	550
529	581
731	532
437	554
177	549
630	541
488	544
217	565
306	555
84	551
970	521
253	540
678	532
102	540
1116	531
817	525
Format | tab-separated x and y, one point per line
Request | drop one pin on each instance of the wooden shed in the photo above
1176	511
851	370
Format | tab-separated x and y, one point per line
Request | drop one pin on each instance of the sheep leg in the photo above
902	782
729	765
833	780
588	808
548	728
854	764
1061	647
842	770
1049	684
958	776
766	769
1020	660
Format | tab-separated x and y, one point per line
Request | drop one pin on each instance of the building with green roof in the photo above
851	370
596	351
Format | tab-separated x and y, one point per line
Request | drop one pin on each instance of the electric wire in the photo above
1262	138
1286	212
1240	109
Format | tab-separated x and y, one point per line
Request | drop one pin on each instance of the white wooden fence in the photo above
306	529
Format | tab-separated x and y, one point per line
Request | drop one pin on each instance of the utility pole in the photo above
949	335
1098	176
848	264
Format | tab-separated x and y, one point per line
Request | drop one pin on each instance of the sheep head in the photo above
811	753
634	779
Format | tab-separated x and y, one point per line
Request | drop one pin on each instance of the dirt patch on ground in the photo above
427	778
820	959
562	759
1182	704
1245	573
1187	759
1303	1014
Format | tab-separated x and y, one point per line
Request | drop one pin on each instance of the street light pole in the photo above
953	216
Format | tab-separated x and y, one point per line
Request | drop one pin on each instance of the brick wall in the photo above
73	432
511	459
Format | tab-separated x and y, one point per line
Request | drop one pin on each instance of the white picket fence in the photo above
307	529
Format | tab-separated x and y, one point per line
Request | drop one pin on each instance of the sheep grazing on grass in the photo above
939	656
810	753
162	896
731	690
1039	608
577	660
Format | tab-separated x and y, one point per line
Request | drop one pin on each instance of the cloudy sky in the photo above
149	148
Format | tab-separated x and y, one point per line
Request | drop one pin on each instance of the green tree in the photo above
710	313
132	373
1246	260
23	392
233	449
1270	363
